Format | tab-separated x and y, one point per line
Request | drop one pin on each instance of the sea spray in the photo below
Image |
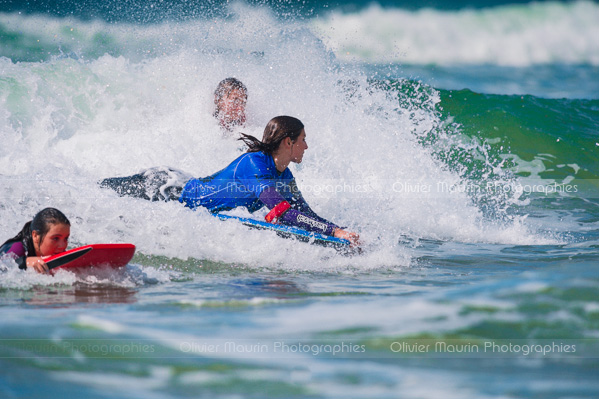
75	121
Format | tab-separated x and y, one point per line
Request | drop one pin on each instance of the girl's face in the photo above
54	242
298	147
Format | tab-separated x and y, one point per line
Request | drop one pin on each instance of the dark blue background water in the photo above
160	10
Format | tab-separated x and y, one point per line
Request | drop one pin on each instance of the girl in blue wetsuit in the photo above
258	178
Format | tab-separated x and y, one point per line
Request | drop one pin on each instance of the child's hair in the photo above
277	129
40	223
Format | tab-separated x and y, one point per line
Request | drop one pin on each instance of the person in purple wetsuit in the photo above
46	234
258	178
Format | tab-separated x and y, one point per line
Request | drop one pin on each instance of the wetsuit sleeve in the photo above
293	217
298	202
15	250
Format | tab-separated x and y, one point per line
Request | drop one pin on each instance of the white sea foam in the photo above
14	278
73	122
130	276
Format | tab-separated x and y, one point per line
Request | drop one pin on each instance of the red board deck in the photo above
113	255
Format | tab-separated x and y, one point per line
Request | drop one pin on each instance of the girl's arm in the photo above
282	210
305	219
300	204
17	251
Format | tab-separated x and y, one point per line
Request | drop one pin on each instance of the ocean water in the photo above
460	139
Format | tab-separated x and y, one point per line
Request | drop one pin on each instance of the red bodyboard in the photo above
113	255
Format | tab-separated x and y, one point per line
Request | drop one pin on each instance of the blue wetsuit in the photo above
252	181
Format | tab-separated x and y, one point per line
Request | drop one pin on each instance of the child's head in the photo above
230	98
276	131
50	230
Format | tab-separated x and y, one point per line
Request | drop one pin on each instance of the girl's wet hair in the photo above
277	129
41	223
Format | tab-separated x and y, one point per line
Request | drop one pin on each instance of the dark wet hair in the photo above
277	129
224	88
41	223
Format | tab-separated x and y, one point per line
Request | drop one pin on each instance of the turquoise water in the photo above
471	176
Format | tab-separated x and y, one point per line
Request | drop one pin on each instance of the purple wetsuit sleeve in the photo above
271	197
292	217
295	218
17	252
299	203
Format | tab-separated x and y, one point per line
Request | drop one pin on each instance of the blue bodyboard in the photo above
291	232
